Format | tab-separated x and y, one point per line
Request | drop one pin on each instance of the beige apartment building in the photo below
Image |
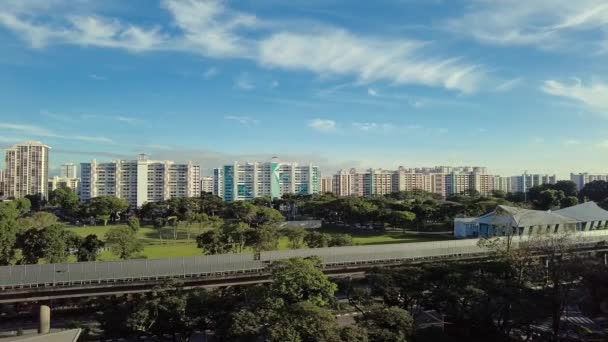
139	181
26	170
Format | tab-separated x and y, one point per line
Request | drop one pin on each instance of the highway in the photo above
48	281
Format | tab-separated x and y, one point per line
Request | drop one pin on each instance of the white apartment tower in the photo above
273	179
67	171
218	182
27	170
139	181
207	184
583	178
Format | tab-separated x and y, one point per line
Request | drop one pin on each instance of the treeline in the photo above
27	237
514	297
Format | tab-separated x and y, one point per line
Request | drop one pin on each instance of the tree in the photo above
568	202
386	324
211	242
353	334
108	205
89	248
316	239
296	237
66	199
37	201
51	243
159	224
103	218
123	242
549	199
401	218
340	240
297	280
305	322
596	191
38	220
264	238
133	223
235	235
567	187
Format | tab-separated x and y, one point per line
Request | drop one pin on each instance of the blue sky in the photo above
512	85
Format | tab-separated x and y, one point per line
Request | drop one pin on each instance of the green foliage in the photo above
212	242
297	280
340	240
88	248
51	243
296	237
123	242
315	239
38	220
548	199
66	199
568	202
9	213
133	223
305	322
104	206
386	324
353	334
596	191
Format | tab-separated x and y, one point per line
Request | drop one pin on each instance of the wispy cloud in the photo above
210	73
322	125
97	77
372	126
243	120
547	24
36	131
593	96
125	119
508	85
244	82
372	92
211	29
572	142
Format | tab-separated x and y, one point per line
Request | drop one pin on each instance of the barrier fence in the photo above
224	264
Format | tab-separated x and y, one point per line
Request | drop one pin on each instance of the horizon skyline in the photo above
507	85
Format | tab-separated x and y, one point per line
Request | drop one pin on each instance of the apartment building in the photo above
139	181
326	184
218	182
1	183
503	184
251	180
583	178
59	182
348	183
26	170
378	182
68	171
524	182
207	184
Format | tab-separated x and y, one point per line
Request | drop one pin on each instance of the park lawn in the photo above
364	237
147	234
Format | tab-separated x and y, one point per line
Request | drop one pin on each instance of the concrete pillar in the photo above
45	320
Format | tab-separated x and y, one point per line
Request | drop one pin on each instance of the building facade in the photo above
27	170
218	182
583	178
250	180
207	184
327	185
526	181
68	171
59	182
139	181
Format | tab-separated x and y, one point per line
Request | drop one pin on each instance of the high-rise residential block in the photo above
58	182
27	170
207	184
250	180
524	182
68	171
583	178
218	182
326	184
1	183
139	181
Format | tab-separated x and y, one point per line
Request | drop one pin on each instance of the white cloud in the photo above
97	77
572	142
126	119
338	52
322	125
210	73
545	24
244	82
275	84
593	97
373	126
372	92
508	85
42	132
209	28
243	120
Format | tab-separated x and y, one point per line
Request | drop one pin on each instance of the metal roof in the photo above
584	212
520	217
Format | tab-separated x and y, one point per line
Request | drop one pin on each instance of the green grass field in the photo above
170	247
